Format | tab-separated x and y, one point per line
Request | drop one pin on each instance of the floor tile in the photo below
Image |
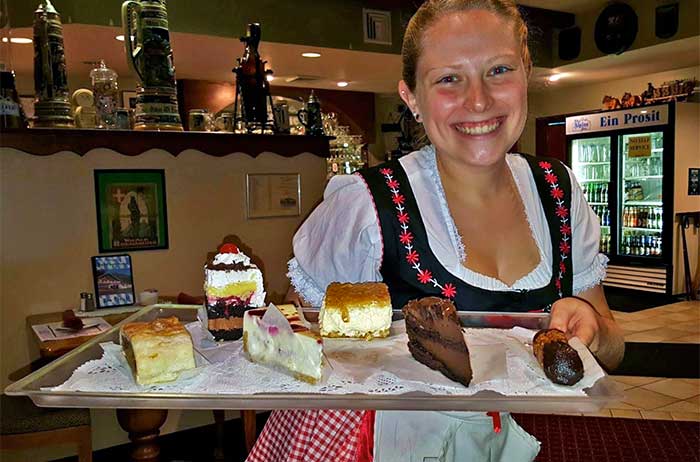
686	416
644	324
634	381
680	406
690	326
675	388
601	413
655	335
695	382
656	415
646	399
621	405
628	414
692	338
682	317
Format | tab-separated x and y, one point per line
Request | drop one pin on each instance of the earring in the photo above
417	117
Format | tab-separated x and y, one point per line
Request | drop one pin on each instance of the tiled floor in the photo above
655	397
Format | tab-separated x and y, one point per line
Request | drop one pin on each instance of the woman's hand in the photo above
577	318
588	317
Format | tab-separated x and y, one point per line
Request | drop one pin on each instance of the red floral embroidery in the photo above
449	290
551	178
562	211
424	276
412	257
564	247
398	199
557	193
406	237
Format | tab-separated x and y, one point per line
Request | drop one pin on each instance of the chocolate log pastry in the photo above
71	321
435	337
561	363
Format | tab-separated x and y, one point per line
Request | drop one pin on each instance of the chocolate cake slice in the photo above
435	337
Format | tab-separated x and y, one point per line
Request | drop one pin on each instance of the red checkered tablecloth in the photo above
309	436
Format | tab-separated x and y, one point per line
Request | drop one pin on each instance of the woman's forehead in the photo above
468	35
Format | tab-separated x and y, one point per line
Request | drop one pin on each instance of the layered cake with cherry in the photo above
232	285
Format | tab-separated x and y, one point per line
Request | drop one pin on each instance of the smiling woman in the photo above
461	219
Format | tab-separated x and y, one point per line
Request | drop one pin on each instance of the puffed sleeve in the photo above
340	241
588	263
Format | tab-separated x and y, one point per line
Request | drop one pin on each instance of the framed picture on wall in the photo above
273	195
114	281
131	210
129	99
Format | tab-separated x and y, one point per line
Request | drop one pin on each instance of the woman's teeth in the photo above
478	129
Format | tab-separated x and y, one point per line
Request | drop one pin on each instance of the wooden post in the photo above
143	426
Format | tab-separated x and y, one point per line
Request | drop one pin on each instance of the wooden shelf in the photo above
48	141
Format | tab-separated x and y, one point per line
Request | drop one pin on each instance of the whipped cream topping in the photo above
231	258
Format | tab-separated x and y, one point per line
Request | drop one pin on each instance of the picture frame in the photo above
273	195
129	99
113	280
131	210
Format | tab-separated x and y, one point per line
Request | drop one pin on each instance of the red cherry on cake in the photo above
228	248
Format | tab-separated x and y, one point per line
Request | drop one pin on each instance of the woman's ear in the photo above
407	96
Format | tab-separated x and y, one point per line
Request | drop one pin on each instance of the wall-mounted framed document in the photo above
273	195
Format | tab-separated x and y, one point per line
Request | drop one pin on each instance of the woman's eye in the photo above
498	70
448	79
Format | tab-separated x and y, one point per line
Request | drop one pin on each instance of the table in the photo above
142	425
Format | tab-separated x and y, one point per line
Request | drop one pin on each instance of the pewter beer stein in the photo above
52	105
148	52
310	116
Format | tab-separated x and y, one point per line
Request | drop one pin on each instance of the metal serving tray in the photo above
601	395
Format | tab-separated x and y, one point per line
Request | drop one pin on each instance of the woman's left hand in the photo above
576	318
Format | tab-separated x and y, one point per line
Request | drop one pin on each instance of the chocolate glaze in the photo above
559	360
221	310
228	267
435	337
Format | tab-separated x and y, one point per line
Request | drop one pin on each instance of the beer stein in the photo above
225	122
280	112
52	107
310	116
199	120
148	53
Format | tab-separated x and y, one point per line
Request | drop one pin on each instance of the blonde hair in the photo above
432	10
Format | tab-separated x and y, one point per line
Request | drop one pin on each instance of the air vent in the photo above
377	25
301	78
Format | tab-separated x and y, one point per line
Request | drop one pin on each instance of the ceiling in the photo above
212	58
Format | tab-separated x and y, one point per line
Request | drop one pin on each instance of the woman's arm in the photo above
588	317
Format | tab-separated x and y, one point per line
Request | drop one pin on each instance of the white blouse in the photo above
342	241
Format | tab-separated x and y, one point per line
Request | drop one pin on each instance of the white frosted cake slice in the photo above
279	338
356	310
157	351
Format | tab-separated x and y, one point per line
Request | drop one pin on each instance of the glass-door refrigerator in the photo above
624	162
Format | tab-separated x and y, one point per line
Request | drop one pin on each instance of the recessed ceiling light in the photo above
19	40
555	77
311	55
342	84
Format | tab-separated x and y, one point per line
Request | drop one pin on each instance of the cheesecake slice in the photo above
279	338
157	351
361	310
